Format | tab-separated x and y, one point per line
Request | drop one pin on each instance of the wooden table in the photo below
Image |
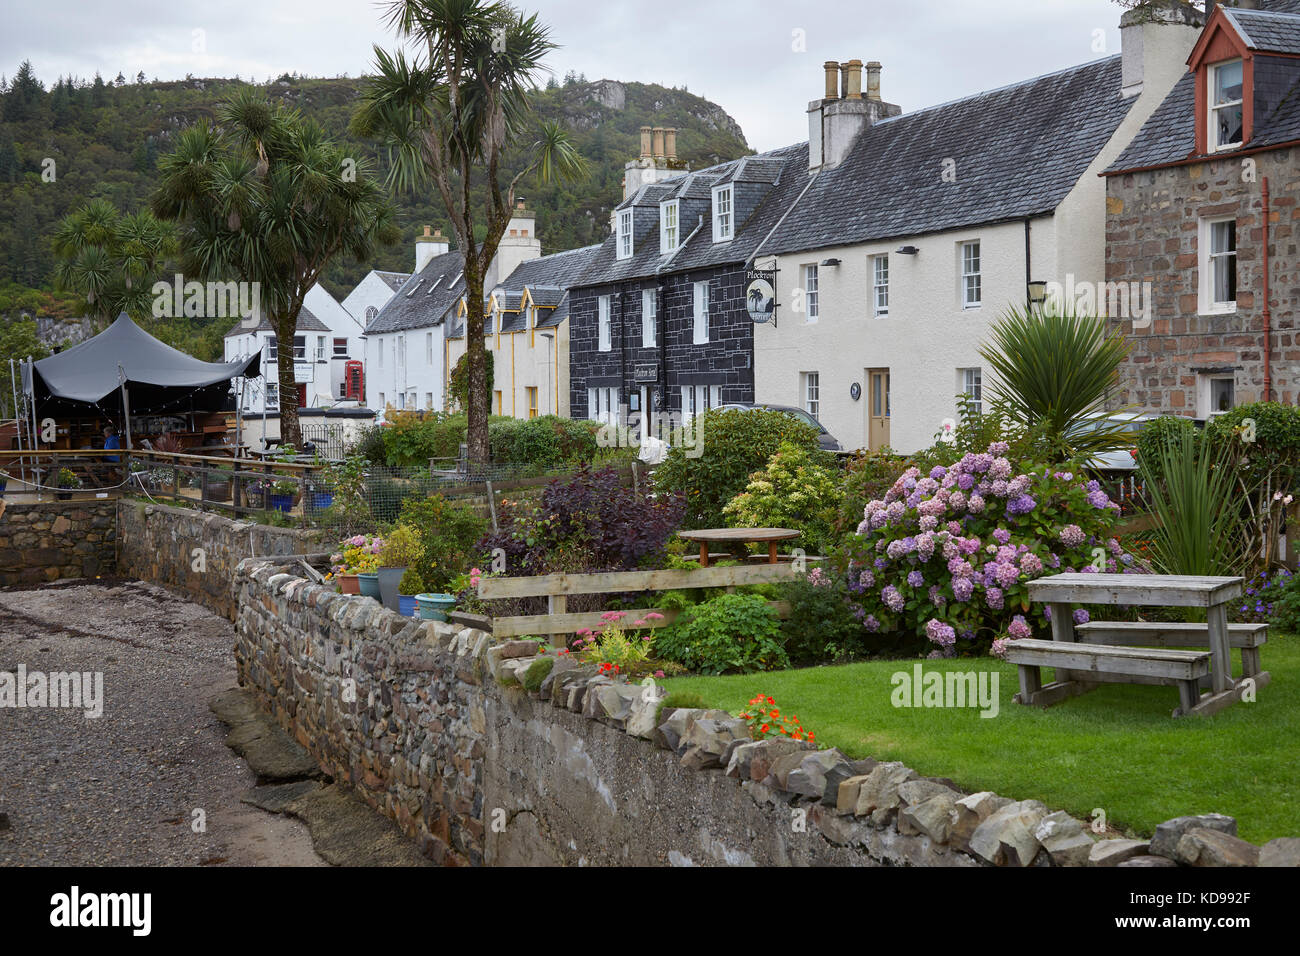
707	536
1062	591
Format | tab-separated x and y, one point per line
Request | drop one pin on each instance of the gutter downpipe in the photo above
1268	318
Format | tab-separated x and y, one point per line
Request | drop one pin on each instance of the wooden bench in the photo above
1091	664
1247	638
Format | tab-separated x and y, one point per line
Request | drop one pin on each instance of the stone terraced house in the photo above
1204	205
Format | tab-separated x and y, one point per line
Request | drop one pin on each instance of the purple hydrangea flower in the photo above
1081	616
962	588
1006	574
871	624
1030	563
916	579
1001	535
975	505
1098	499
893	598
994	598
940	633
1072	536
1019	628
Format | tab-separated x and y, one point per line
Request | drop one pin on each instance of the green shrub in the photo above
413	437
679	700
458	386
797	489
822	627
731	633
537	672
1158	435
450	534
543	443
402	548
411	583
732	444
866	478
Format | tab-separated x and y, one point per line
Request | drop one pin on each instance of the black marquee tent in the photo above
125	368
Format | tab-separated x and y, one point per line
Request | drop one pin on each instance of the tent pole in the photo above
33	434
126	408
18	416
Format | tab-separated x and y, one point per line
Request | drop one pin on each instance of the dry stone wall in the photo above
45	541
430	724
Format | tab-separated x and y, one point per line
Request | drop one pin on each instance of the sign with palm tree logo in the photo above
760	294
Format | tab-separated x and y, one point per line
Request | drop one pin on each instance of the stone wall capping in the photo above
434	741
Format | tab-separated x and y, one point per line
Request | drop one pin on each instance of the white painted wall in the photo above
523	360
407	377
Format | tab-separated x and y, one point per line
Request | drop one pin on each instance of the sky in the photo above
760	60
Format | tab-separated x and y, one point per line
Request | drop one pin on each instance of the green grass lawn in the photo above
1116	748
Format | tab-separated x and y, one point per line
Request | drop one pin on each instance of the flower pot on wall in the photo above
434	607
319	500
349	584
282	503
368	585
406	605
389	580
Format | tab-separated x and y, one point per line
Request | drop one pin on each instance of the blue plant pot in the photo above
434	607
281	502
319	501
369	584
406	605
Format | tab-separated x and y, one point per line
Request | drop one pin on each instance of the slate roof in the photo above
1169	136
425	298
307	322
784	169
548	277
1267	31
394	280
1017	151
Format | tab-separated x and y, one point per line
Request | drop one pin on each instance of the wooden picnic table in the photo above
1062	591
707	536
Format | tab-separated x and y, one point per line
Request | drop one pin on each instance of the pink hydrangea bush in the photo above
947	556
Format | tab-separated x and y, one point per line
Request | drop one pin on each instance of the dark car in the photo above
824	438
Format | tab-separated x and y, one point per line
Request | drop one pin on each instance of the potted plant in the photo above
67	479
435	606
253	492
356	555
218	485
280	494
407	590
400	551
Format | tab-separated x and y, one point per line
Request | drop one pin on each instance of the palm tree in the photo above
448	114
265	197
1055	375
110	259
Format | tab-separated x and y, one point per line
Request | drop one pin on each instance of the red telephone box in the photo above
354	381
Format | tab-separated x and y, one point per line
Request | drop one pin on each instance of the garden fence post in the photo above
492	506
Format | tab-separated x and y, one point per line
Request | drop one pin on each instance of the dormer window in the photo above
724	222
668	227
1226	105
625	234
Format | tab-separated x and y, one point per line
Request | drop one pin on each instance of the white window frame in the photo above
669	226
972	385
1209	303
320	348
602	405
428	348
701	313
970	285
272	394
697	399
300	348
1205	392
399	350
880	285
1214	108
379	351
625	234
812	393
428	400
649	318
341	345
811	293
604	337
724	213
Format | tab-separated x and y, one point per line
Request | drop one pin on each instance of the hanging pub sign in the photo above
760	294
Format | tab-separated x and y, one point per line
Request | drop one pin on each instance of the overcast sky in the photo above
744	56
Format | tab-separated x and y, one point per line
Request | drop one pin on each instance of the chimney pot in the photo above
645	142
873	80
853	80
658	142
670	143
832	79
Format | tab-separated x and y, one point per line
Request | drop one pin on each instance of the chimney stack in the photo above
835	121
429	246
645	142
1155	40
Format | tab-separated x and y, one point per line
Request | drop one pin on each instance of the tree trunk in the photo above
476	356
290	432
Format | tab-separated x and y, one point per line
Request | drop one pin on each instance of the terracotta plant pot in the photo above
349	584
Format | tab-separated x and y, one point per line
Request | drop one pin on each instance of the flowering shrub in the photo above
765	720
1266	597
358	554
946	556
610	646
795	490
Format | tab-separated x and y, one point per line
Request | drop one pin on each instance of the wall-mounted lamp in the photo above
908	251
1037	293
830	262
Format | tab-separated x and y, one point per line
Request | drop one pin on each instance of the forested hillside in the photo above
63	144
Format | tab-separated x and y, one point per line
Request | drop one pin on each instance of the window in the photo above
272	395
702	312
272	349
880	285
649	316
971	291
428	348
531	396
812	391
320	348
428	400
371	312
299	347
340	346
1218	244
412	400
697	399
497	395
602	405
972	386
604	344
667	227
399	351
379	351
1216	393
383	401
1225	105
724	222
810	292
625	234
401	400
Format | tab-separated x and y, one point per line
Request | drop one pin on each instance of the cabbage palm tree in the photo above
111	260
1056	374
448	115
266	197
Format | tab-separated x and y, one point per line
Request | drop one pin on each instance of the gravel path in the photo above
123	788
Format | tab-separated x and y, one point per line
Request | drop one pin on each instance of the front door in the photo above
877	408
